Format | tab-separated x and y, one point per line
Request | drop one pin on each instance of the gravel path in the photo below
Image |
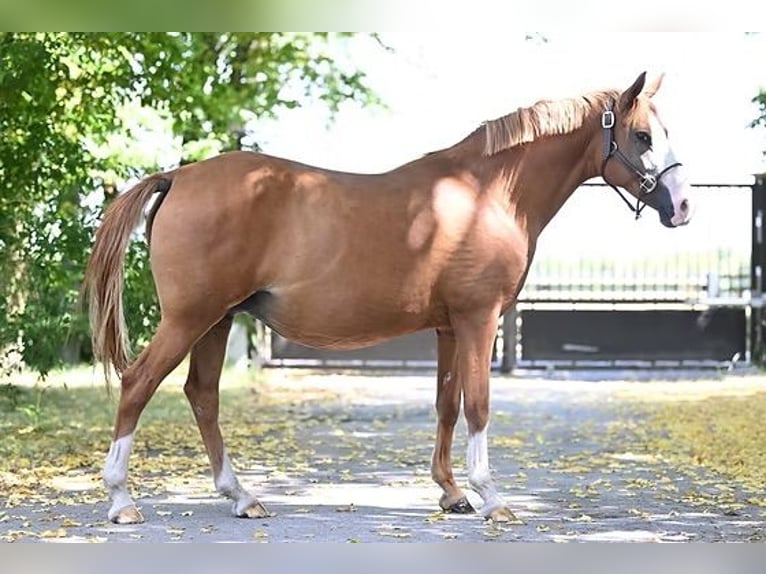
563	453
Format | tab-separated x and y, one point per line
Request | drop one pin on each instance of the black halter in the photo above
647	182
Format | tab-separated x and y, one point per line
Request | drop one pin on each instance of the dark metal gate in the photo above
607	291
757	272
625	294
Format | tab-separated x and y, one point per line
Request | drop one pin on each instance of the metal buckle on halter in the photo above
607	119
648	183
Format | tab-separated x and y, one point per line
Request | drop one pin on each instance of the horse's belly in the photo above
332	335
337	323
330	340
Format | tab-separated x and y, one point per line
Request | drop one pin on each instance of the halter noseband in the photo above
647	182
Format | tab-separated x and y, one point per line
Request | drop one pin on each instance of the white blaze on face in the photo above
661	156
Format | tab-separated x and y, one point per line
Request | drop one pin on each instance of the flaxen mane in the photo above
545	118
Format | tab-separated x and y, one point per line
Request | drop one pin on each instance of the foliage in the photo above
214	83
717	433
64	97
760	99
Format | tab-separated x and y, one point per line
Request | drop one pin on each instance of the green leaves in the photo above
760	99
71	107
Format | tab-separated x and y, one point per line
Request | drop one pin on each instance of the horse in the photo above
338	260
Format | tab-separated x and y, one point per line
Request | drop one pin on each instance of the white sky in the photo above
439	86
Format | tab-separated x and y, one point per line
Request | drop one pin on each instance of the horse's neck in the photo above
533	180
536	179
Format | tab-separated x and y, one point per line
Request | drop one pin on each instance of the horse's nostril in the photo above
685	205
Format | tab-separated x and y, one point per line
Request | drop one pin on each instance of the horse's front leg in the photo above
475	335
448	394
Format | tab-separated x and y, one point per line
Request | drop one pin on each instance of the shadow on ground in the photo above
353	466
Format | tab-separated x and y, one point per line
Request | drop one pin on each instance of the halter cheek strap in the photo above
647	182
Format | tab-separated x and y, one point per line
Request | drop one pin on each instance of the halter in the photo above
647	182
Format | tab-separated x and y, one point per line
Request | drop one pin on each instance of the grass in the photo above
56	434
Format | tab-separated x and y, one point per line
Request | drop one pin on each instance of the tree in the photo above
760	99
62	100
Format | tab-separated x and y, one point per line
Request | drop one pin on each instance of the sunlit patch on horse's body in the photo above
340	260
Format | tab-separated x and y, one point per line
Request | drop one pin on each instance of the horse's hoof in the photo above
460	506
126	515
253	510
503	514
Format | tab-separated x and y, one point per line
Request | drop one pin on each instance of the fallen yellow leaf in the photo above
55	533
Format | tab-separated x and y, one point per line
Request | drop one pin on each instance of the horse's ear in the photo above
628	96
653	86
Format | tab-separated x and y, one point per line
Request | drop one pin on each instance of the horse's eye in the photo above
644	138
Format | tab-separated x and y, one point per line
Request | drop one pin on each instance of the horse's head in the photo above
638	157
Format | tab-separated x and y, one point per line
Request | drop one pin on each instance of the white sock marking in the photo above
479	476
228	485
116	473
226	482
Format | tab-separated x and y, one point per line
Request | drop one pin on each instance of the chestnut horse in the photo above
339	261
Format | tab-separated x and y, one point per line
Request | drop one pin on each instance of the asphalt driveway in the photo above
564	454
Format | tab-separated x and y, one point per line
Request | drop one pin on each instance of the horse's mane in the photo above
544	118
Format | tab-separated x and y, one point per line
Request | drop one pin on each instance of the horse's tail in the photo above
104	273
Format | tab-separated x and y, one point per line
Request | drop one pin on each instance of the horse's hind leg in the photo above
448	394
202	391
167	348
